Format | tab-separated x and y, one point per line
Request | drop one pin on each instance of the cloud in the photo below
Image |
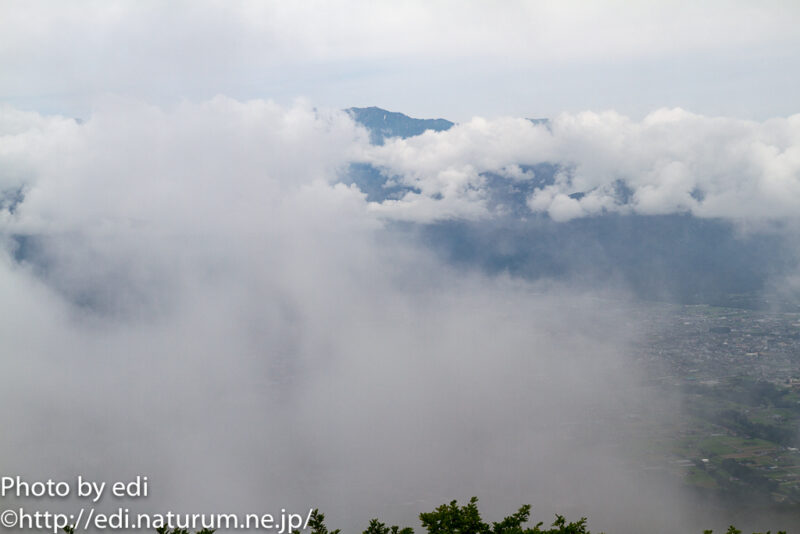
190	295
547	56
542	31
672	161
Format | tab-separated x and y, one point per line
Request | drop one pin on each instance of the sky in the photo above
194	291
427	59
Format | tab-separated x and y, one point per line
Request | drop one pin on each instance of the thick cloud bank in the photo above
672	161
191	295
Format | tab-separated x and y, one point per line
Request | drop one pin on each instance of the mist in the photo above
191	296
199	295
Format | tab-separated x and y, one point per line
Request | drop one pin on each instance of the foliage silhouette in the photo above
448	519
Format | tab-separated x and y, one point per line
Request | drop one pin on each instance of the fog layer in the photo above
190	294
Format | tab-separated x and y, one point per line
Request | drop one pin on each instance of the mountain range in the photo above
678	257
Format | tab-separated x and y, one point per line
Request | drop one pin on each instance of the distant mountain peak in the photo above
383	124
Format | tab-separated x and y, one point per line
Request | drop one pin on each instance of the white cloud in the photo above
672	161
131	164
199	302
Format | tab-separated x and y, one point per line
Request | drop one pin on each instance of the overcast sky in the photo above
431	59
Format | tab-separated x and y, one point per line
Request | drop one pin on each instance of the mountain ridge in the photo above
383	124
